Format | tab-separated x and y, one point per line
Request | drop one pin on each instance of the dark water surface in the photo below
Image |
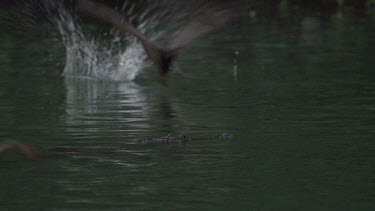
298	95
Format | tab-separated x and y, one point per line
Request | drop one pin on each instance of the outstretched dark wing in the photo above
109	15
199	27
162	58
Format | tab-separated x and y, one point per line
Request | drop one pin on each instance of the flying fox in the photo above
161	57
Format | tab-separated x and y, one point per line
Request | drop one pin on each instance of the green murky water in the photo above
298	96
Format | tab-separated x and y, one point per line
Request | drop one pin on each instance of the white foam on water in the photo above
96	58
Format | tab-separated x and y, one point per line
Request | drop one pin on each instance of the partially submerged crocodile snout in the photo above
168	139
31	152
182	139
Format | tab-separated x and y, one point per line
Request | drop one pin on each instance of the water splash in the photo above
108	55
95	57
105	56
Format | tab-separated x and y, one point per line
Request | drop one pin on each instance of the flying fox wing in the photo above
200	27
162	58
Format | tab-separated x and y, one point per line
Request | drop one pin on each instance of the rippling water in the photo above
296	94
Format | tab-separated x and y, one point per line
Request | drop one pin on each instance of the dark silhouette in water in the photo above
161	57
34	153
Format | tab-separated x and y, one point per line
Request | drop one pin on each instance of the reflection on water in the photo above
94	105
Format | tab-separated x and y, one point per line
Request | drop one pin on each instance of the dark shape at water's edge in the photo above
35	153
